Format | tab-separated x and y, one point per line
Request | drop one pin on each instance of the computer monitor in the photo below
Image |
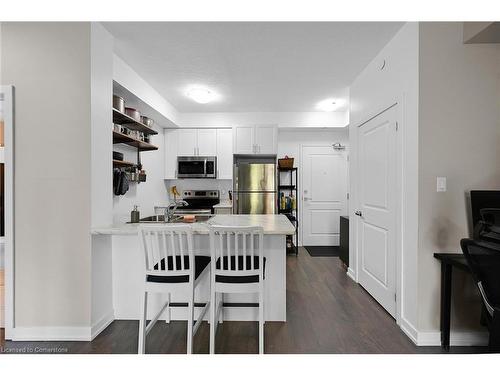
480	199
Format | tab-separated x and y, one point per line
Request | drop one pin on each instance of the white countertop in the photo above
224	204
272	224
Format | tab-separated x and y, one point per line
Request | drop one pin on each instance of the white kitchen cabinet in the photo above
199	142
255	139
243	139
224	154
223	210
207	142
171	143
187	142
266	139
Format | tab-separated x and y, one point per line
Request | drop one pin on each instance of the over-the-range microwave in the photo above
196	167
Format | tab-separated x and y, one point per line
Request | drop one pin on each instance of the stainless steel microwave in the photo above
196	167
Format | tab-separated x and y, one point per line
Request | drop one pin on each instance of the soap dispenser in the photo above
134	215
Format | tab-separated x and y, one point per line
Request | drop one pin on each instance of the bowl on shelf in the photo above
119	103
134	113
147	121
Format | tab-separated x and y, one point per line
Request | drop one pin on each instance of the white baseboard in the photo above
457	338
62	333
51	334
409	330
351	273
101	324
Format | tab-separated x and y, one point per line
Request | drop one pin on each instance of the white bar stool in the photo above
237	266
171	267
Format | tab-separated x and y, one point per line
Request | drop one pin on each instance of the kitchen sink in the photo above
158	219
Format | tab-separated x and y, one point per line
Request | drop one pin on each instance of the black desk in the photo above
448	261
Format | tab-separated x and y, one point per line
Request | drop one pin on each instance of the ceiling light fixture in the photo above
328	105
201	95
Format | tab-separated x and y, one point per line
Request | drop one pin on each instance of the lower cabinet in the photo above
223	210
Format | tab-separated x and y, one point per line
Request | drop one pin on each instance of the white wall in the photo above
52	170
130	80
283	119
459	136
101	56
374	90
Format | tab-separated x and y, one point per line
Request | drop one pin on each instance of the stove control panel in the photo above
192	194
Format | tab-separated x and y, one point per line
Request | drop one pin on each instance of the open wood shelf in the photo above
122	164
131	123
142	146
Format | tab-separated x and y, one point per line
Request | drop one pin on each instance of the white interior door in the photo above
376	215
324	194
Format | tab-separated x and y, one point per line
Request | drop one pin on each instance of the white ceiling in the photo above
256	66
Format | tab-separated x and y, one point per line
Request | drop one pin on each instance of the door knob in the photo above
358	213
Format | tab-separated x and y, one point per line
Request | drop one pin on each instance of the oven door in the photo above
191	167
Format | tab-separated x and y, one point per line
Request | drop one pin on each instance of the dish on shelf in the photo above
119	103
147	121
134	113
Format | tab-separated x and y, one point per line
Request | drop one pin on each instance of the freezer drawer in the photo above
254	203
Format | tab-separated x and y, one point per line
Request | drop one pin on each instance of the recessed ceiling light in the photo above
328	105
201	95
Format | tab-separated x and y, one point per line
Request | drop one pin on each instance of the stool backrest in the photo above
227	244
166	248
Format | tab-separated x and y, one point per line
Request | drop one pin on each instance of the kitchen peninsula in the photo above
127	269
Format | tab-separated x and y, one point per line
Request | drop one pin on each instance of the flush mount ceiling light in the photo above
201	95
328	105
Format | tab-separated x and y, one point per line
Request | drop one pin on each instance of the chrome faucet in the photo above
170	209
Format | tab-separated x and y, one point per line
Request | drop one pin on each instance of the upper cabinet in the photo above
207	142
199	142
225	154
255	139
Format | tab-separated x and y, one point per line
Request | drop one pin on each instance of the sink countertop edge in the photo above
272	224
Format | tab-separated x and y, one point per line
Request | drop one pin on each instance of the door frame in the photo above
9	115
301	182
397	103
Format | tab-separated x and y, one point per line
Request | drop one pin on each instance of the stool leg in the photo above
190	319
261	321
168	309
142	324
221	316
213	318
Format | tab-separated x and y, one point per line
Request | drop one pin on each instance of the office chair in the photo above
483	258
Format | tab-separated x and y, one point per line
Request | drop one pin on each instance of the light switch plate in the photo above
441	184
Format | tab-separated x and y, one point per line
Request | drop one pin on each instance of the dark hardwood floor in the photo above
326	313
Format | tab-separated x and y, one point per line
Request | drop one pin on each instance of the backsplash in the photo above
202	184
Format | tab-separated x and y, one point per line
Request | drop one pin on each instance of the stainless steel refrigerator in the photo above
254	187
